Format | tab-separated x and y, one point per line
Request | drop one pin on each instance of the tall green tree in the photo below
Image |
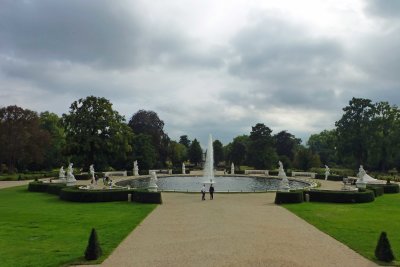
383	148
286	144
354	130
305	159
144	151
324	144
262	153
22	141
178	153
195	152
237	150
218	152
147	122
95	132
54	154
184	140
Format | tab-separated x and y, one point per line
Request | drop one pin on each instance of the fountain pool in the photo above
223	183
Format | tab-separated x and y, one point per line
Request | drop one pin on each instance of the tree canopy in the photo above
95	133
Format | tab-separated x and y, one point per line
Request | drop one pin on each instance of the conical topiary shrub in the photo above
383	251
93	249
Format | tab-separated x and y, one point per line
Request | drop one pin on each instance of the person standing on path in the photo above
211	192
203	192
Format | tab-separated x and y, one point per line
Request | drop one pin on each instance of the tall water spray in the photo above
208	172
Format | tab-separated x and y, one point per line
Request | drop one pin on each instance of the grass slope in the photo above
356	225
38	229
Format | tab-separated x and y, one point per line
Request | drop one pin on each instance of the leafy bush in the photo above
93	249
341	196
289	197
383	251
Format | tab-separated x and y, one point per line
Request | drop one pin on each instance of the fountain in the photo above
208	172
284	184
232	168
135	168
153	182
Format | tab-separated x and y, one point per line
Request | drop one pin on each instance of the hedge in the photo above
378	190
387	188
330	177
289	197
80	195
340	196
51	188
146	197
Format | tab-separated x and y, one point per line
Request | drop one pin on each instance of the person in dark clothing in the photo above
211	191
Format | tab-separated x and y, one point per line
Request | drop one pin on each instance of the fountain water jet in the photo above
208	172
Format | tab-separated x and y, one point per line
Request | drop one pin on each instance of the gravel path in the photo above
231	230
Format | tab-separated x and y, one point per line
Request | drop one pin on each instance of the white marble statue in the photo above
284	184
70	174
361	173
152	183
135	168
183	168
61	174
91	171
327	172
232	168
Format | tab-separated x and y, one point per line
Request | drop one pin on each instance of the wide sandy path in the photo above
231	230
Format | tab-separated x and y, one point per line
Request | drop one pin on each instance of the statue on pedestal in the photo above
61	174
327	172
91	171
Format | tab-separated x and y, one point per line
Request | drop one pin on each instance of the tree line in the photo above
94	133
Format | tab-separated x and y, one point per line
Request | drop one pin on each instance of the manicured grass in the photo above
38	229
356	225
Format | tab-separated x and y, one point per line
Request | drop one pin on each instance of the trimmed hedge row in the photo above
340	196
146	197
46	187
289	197
378	190
330	177
79	195
387	188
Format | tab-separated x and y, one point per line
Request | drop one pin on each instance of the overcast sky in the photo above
204	66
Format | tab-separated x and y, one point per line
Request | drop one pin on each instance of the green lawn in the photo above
356	225
38	229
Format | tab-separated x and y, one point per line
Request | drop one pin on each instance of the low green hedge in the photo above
147	197
378	190
330	177
289	197
51	188
80	195
37	187
82	176
387	188
341	196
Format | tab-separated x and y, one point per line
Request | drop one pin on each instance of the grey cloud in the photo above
383	8
285	64
100	33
